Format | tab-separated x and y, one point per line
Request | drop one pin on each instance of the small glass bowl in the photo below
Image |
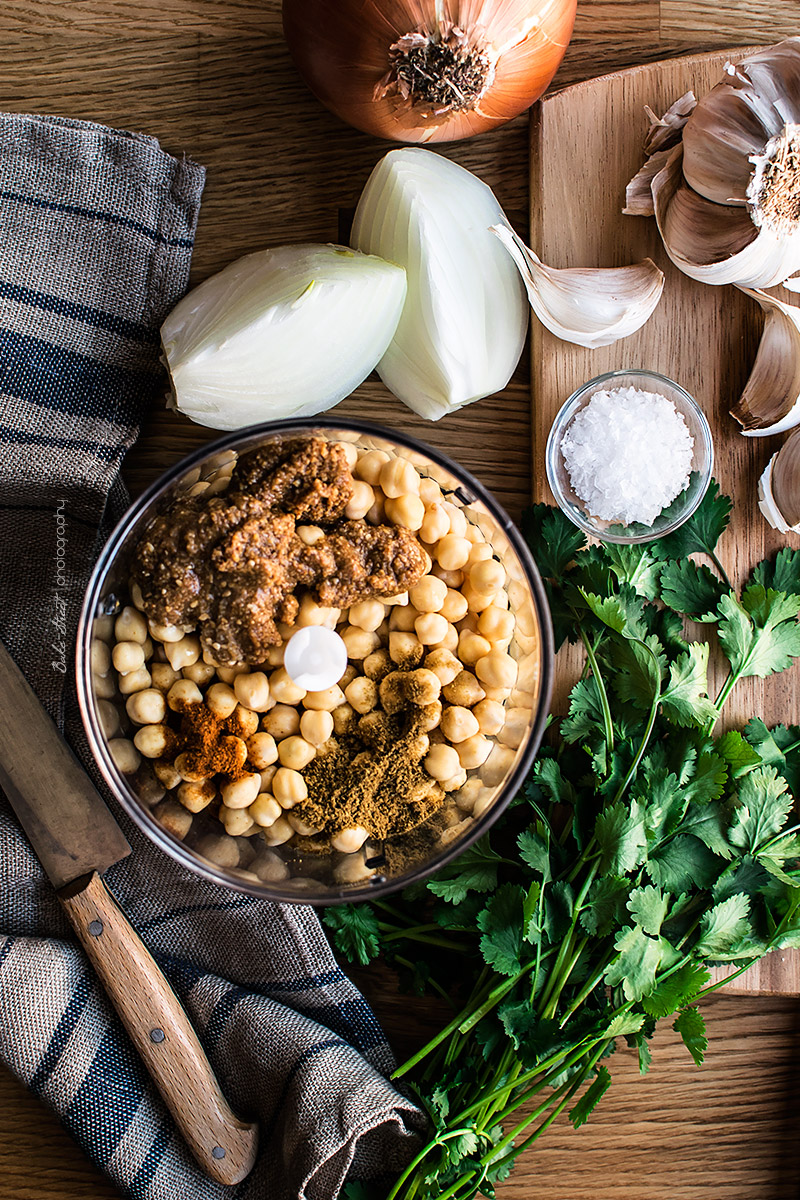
681	507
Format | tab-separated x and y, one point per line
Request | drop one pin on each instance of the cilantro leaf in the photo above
781	573
708	779
723	926
648	907
700	534
684	702
639	667
778	747
501	926
691	588
761	639
584	722
579	1114
473	871
605	904
690	1025
762	805
622	612
621	837
737	752
355	932
684	862
636	964
553	539
534	849
634	565
676	991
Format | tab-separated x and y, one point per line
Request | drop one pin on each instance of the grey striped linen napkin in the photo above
96	229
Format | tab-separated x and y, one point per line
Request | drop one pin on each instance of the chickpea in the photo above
517	724
377	665
471	792
458	723
261	750
402	618
147	707
316	727
283	687
275	655
407	510
296	752
103	627
253	691
405	649
474	534
497	765
441	762
229	674
162	676
491	716
428	716
500	694
480	551
477	601
173	817
199	672
269	867
431	628
452	552
166	774
497	669
104	686
449	641
152	740
278	832
265	810
183	692
350	673
472	647
109	717
241	792
350	452
128	656
343	717
400	599
164	633
309	534
487	577
469	623
444	665
352	869
399	478
302	827
220	848
325	701
198	488
349	840
267	776
134	681
183	653
289	787
221	700
370	465
101	657
362	694
196	796
458	519
496	624
428	595
359	642
311	613
188	773
281	721
435	524
455	782
429	490
368	614
137	597
464	690
125	755
237	821
130	626
473	751
377	514
454	606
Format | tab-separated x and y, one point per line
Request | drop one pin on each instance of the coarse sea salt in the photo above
628	454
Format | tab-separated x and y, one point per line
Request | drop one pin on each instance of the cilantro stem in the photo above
418	933
642	747
437	987
494	998
412	1166
713	987
723	573
445	1033
608	725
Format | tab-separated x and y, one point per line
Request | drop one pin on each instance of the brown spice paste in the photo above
230	565
210	745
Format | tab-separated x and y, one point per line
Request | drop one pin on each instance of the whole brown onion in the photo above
427	70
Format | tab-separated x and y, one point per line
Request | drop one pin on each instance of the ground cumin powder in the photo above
372	776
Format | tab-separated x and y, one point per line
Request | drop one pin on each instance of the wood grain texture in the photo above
703	337
157	1024
212	78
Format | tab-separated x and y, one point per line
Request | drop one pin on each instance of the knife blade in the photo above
76	838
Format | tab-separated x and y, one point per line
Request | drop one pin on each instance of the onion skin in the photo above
341	48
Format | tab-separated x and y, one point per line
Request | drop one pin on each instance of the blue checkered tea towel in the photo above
96	230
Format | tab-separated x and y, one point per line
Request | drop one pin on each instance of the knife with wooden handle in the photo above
76	838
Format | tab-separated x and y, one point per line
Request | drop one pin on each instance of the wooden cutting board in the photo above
586	143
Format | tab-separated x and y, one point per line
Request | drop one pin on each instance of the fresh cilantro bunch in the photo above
643	849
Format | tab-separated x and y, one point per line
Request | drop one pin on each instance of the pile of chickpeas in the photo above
442	646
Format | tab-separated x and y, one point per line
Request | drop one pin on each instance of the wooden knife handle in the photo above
224	1146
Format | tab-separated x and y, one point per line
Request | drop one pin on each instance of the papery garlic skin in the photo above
766	498
770	402
588	306
287	332
465	318
726	198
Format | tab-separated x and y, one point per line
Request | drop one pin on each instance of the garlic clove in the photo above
770	402
779	487
639	192
588	306
715	243
770	79
665	132
717	147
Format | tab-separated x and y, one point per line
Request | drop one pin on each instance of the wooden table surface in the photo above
213	78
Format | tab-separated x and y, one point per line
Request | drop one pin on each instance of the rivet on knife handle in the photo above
224	1146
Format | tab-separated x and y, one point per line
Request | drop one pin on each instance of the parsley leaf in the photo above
677	990
781	573
634	565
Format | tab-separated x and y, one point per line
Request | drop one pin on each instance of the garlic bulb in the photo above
779	487
770	402
726	197
590	306
464	322
280	333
